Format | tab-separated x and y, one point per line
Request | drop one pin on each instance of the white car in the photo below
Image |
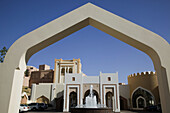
23	108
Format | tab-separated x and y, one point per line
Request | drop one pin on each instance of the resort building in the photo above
105	88
53	89
69	81
43	75
69	87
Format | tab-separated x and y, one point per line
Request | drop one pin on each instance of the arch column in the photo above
68	69
60	74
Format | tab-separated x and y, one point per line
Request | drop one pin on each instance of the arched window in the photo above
145	96
63	71
70	70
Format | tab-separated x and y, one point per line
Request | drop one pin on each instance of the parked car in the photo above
34	106
46	106
43	106
159	108
154	108
23	108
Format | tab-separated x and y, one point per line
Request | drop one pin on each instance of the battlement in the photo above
147	73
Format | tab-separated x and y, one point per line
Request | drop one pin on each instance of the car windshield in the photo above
23	105
32	104
41	103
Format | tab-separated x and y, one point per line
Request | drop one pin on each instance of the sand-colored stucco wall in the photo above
147	81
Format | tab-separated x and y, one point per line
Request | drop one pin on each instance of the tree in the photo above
26	73
3	52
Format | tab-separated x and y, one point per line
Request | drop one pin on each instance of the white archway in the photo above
137	101
14	65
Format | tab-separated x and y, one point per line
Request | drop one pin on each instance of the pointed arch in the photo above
143	93
42	99
109	99
72	99
143	89
70	70
137	101
14	65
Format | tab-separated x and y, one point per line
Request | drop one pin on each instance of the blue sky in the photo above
97	50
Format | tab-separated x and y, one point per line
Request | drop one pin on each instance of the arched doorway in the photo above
142	98
72	100
87	93
141	102
123	103
42	99
14	65
109	99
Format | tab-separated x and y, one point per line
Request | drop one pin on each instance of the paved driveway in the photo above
138	112
62	112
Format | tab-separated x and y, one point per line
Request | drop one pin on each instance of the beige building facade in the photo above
140	92
43	75
145	82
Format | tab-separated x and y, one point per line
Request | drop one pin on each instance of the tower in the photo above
65	66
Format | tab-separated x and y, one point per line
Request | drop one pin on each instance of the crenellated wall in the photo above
146	80
142	73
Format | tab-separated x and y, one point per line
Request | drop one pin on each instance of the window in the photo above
109	78
70	70
63	71
73	78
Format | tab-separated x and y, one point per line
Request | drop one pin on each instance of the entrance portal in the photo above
14	65
141	102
